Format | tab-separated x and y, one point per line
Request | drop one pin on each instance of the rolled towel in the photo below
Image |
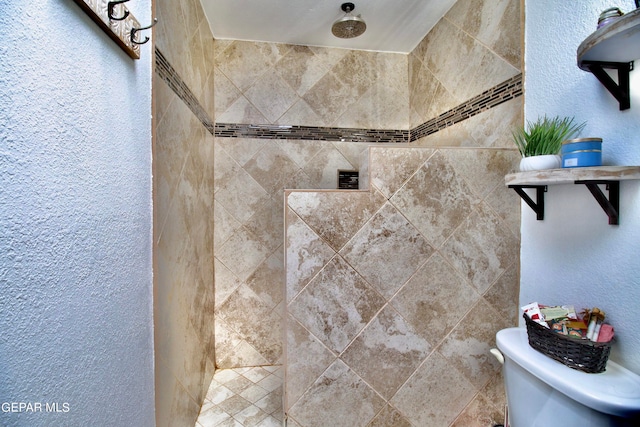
606	333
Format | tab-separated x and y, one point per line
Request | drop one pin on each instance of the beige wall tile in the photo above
253	253
270	167
242	195
481	248
313	359
482	170
502	200
474	47
336	314
232	350
387	352
301	152
337	221
301	112
271	95
503	294
268	278
301	68
438	208
435	299
340	395
311	86
184	230
430	303
242	63
467	347
385	237
435	394
307	253
390	168
495	23
247	314
323	169
389	417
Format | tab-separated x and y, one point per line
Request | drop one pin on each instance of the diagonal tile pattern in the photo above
250	177
474	47
383	237
244	397
320	87
435	199
336	305
387	352
338	387
269	83
405	326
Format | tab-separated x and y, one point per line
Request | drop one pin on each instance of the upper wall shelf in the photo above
589	176
614	46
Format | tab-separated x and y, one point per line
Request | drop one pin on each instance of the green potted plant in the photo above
541	143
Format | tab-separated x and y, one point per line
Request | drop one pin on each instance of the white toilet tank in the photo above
544	393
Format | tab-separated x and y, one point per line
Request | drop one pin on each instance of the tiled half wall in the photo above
394	295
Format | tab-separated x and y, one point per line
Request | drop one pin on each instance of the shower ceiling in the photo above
392	25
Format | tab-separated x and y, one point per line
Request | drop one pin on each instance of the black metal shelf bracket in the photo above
538	205
619	90
610	205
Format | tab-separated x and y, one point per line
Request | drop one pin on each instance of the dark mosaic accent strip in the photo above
233	130
171	77
488	99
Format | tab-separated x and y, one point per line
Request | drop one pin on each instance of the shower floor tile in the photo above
244	397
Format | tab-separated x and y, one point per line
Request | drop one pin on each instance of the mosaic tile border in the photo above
233	130
488	99
180	88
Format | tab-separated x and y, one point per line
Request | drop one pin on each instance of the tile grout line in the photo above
490	98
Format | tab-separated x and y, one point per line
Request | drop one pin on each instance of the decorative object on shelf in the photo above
541	162
608	16
613	46
540	144
118	22
581	152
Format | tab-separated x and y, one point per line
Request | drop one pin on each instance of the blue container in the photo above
581	152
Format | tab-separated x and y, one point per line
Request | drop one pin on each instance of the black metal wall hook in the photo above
134	31
110	8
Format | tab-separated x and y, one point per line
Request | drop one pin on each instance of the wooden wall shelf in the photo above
614	46
591	177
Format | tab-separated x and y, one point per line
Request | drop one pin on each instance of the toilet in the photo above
542	392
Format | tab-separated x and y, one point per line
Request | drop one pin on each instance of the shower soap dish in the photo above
580	354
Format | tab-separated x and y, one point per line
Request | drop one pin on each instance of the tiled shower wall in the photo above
269	83
272	84
183	221
476	46
394	295
473	49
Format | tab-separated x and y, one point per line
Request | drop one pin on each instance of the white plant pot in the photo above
534	163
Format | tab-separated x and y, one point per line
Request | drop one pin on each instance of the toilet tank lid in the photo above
615	391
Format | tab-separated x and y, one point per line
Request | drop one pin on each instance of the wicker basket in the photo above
583	355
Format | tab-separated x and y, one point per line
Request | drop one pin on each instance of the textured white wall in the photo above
75	221
574	256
